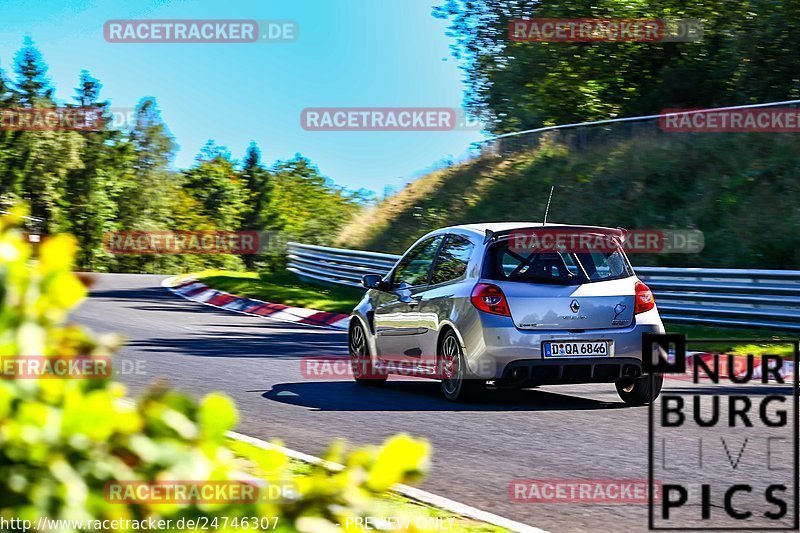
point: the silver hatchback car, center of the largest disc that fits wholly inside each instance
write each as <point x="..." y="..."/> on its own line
<point x="508" y="305"/>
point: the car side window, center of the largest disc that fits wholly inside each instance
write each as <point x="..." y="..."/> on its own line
<point x="414" y="268"/>
<point x="452" y="260"/>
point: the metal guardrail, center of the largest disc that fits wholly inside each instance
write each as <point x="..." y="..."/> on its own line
<point x="789" y="103"/>
<point x="732" y="297"/>
<point x="336" y="265"/>
<point x="582" y="135"/>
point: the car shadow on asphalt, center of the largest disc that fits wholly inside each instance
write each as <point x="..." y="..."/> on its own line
<point x="421" y="395"/>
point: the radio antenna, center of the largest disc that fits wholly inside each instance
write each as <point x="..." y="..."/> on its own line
<point x="547" y="209"/>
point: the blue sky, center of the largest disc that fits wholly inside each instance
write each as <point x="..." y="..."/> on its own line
<point x="349" y="53"/>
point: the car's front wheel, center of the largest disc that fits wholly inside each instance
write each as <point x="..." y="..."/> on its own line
<point x="364" y="372"/>
<point x="640" y="391"/>
<point x="457" y="386"/>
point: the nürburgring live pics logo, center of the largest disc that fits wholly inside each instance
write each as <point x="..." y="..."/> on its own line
<point x="723" y="442"/>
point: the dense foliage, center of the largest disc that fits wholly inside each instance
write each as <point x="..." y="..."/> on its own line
<point x="63" y="440"/>
<point x="750" y="52"/>
<point x="121" y="178"/>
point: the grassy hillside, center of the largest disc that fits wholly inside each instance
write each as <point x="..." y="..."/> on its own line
<point x="741" y="189"/>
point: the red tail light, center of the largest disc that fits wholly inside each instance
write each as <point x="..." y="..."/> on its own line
<point x="644" y="298"/>
<point x="490" y="299"/>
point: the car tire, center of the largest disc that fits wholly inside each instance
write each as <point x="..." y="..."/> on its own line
<point x="640" y="391"/>
<point x="361" y="363"/>
<point x="457" y="386"/>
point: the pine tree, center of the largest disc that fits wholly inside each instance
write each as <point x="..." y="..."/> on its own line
<point x="8" y="194"/>
<point x="40" y="160"/>
<point x="146" y="202"/>
<point x="148" y="190"/>
<point x="88" y="91"/>
<point x="92" y="191"/>
<point x="32" y="85"/>
<point x="258" y="183"/>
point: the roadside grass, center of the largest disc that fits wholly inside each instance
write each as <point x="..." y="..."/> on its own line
<point x="745" y="334"/>
<point x="391" y="504"/>
<point x="282" y="288"/>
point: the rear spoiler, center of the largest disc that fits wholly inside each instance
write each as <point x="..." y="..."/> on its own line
<point x="493" y="236"/>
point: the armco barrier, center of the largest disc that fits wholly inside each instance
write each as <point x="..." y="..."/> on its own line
<point x="733" y="297"/>
<point x="582" y="135"/>
<point x="336" y="265"/>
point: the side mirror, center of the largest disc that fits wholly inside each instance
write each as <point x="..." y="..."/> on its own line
<point x="373" y="281"/>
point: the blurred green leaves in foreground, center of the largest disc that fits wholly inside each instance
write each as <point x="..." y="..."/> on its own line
<point x="63" y="440"/>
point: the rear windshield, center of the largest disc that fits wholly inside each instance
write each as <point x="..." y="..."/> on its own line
<point x="554" y="267"/>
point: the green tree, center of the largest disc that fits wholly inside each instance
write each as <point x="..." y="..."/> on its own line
<point x="306" y="205"/>
<point x="258" y="184"/>
<point x="32" y="86"/>
<point x="145" y="200"/>
<point x="214" y="182"/>
<point x="92" y="191"/>
<point x="9" y="193"/>
<point x="92" y="183"/>
<point x="147" y="190"/>
<point x="39" y="161"/>
<point x="749" y="53"/>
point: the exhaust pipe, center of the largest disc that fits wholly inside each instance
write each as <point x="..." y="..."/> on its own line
<point x="518" y="373"/>
<point x="631" y="371"/>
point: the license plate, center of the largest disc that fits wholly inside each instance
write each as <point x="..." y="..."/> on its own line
<point x="577" y="348"/>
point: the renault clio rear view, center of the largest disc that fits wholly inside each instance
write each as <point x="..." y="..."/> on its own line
<point x="509" y="305"/>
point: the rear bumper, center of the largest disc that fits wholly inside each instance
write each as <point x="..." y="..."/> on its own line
<point x="531" y="372"/>
<point x="497" y="344"/>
